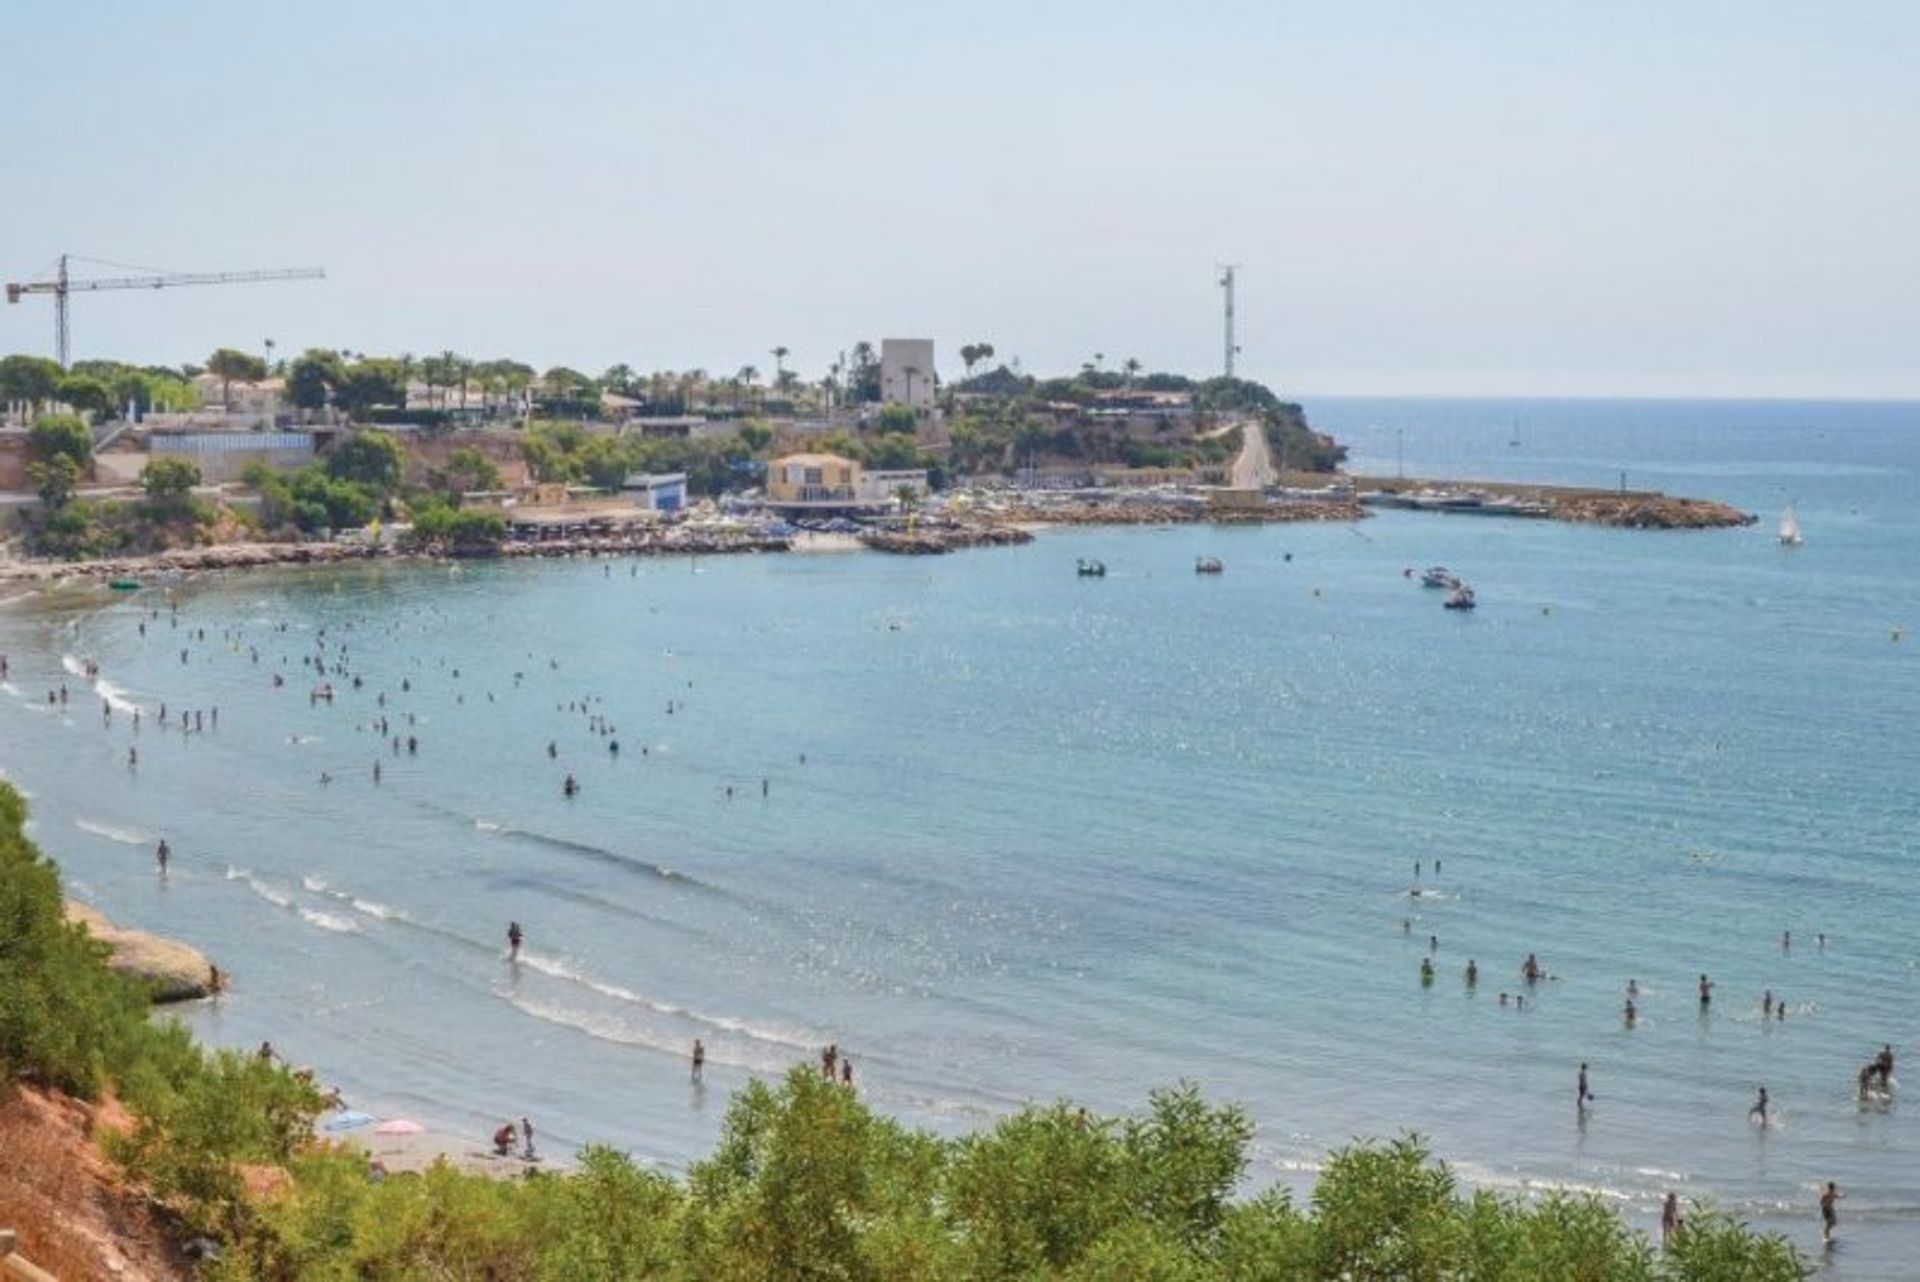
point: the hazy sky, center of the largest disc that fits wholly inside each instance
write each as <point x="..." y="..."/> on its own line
<point x="1463" y="196"/>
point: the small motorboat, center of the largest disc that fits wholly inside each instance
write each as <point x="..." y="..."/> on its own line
<point x="1208" y="565"/>
<point x="1439" y="576"/>
<point x="1461" y="598"/>
<point x="1088" y="568"/>
<point x="124" y="585"/>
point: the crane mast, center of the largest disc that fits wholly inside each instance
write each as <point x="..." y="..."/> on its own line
<point x="62" y="286"/>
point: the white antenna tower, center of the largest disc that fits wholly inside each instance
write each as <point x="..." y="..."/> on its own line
<point x="1226" y="284"/>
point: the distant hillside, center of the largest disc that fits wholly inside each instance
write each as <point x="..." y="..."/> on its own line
<point x="1002" y="422"/>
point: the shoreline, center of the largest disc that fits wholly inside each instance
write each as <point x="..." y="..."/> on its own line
<point x="1013" y="521"/>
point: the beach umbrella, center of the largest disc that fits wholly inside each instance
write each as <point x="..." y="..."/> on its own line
<point x="345" y="1120"/>
<point x="399" y="1126"/>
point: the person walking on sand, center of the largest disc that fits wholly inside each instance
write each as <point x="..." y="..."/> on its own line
<point x="1670" y="1219"/>
<point x="1829" y="1213"/>
<point x="846" y="1072"/>
<point x="699" y="1060"/>
<point x="526" y="1136"/>
<point x="514" y="937"/>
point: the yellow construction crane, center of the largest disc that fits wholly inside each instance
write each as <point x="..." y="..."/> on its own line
<point x="63" y="284"/>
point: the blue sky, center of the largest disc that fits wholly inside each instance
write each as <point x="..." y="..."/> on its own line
<point x="1448" y="196"/>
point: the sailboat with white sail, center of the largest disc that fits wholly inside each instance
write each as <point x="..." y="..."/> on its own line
<point x="1790" y="528"/>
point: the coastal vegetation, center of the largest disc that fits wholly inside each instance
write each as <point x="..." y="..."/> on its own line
<point x="806" y="1182"/>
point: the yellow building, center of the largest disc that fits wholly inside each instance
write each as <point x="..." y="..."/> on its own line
<point x="822" y="480"/>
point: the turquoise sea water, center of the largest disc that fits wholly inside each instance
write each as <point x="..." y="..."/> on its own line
<point x="1055" y="836"/>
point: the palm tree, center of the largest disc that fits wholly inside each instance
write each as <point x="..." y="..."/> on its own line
<point x="779" y="362"/>
<point x="1132" y="367"/>
<point x="744" y="379"/>
<point x="969" y="356"/>
<point x="1097" y="358"/>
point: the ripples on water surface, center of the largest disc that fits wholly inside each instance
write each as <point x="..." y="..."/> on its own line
<point x="1063" y="836"/>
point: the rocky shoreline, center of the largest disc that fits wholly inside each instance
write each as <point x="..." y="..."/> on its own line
<point x="935" y="540"/>
<point x="170" y="970"/>
<point x="1001" y="525"/>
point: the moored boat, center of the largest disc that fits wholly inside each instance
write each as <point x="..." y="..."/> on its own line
<point x="1088" y="568"/>
<point x="1208" y="565"/>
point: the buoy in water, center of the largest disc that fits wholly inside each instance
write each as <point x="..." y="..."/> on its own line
<point x="1316" y="592"/>
<point x="1899" y="634"/>
<point x="1546" y="609"/>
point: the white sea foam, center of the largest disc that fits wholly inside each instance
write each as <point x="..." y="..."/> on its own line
<point x="116" y="696"/>
<point x="378" y="910"/>
<point x="627" y="1032"/>
<point x="559" y="969"/>
<point x="124" y="836"/>
<point x="318" y="885"/>
<point x="272" y="894"/>
<point x="328" y="921"/>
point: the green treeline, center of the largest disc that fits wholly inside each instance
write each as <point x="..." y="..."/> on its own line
<point x="806" y="1182"/>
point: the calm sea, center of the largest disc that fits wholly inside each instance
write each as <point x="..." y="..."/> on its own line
<point x="1025" y="835"/>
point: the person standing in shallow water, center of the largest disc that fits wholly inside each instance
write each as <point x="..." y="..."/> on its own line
<point x="699" y="1060"/>
<point x="1670" y="1219"/>
<point x="514" y="937"/>
<point x="1580" y="1093"/>
<point x="1829" y="1213"/>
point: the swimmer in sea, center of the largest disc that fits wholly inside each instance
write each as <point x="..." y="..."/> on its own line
<point x="570" y="787"/>
<point x="1766" y="1004"/>
<point x="1426" y="970"/>
<point x="1633" y="988"/>
<point x="1530" y="970"/>
<point x="1631" y="1015"/>
<point x="1706" y="992"/>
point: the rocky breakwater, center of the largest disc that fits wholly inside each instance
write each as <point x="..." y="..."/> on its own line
<point x="1161" y="512"/>
<point x="670" y="542"/>
<point x="171" y="971"/>
<point x="223" y="556"/>
<point x="931" y="540"/>
<point x="1646" y="512"/>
